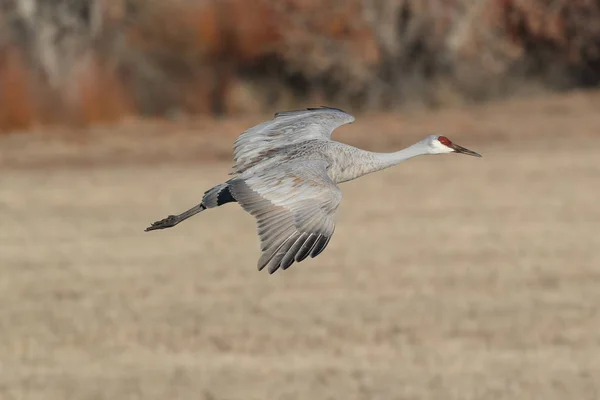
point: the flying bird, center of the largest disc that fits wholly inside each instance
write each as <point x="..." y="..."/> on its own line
<point x="285" y="174"/>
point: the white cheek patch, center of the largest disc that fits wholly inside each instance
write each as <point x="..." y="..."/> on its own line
<point x="439" y="148"/>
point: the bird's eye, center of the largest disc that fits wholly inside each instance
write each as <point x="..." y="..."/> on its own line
<point x="444" y="140"/>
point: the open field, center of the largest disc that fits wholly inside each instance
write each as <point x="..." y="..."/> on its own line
<point x="448" y="277"/>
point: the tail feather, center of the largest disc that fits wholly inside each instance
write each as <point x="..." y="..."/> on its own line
<point x="218" y="195"/>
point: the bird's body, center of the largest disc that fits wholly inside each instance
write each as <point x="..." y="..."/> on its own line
<point x="285" y="174"/>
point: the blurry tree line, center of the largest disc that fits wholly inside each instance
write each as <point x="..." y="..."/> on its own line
<point x="84" y="61"/>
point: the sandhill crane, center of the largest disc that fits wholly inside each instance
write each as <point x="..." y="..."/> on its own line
<point x="285" y="174"/>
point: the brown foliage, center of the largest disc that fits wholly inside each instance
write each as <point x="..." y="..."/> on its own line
<point x="90" y="61"/>
<point x="97" y="94"/>
<point x="567" y="32"/>
<point x="17" y="104"/>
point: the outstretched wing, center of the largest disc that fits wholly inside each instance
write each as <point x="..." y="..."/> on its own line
<point x="287" y="128"/>
<point x="295" y="206"/>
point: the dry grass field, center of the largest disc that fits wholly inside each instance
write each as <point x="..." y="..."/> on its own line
<point x="448" y="277"/>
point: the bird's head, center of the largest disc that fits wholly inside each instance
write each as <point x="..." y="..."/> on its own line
<point x="441" y="145"/>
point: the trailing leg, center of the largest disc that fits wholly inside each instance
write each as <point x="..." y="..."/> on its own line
<point x="173" y="220"/>
<point x="215" y="197"/>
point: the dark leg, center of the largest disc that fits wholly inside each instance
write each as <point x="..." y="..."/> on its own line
<point x="173" y="220"/>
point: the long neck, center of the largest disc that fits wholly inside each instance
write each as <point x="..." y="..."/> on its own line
<point x="351" y="163"/>
<point x="386" y="160"/>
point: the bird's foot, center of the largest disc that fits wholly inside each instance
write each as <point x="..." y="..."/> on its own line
<point x="168" y="222"/>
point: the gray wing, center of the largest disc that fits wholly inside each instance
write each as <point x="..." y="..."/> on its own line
<point x="295" y="207"/>
<point x="288" y="127"/>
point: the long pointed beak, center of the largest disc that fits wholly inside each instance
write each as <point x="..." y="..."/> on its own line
<point x="462" y="150"/>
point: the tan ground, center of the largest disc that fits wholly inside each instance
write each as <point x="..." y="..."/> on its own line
<point x="448" y="277"/>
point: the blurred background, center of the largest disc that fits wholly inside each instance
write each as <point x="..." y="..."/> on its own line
<point x="92" y="61"/>
<point x="449" y="277"/>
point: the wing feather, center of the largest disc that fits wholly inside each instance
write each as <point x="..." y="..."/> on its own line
<point x="263" y="143"/>
<point x="290" y="256"/>
<point x="294" y="205"/>
<point x="319" y="246"/>
<point x="306" y="247"/>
